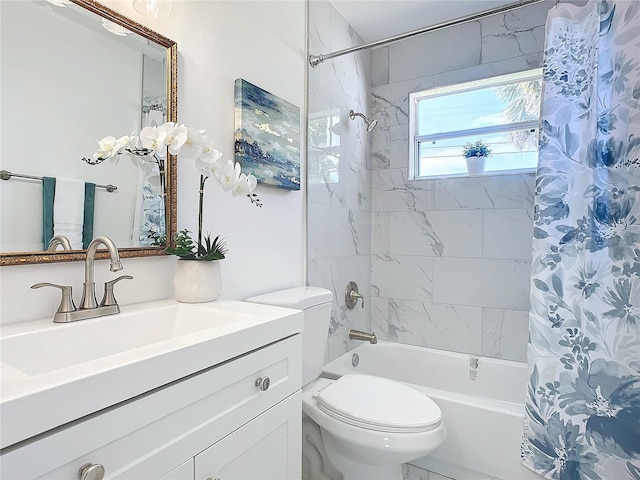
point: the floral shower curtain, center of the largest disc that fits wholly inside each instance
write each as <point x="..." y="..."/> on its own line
<point x="582" y="416"/>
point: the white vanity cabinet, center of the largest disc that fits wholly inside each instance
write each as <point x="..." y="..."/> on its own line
<point x="266" y="448"/>
<point x="224" y="422"/>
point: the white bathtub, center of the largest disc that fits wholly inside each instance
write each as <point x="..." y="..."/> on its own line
<point x="483" y="415"/>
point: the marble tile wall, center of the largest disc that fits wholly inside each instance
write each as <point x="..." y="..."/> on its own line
<point x="450" y="257"/>
<point x="339" y="192"/>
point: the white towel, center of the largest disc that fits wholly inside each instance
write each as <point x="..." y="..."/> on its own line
<point x="153" y="118"/>
<point x="68" y="210"/>
<point x="138" y="213"/>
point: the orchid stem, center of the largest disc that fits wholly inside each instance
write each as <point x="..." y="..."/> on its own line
<point x="202" y="180"/>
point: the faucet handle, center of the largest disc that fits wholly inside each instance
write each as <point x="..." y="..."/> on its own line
<point x="354" y="298"/>
<point x="351" y="296"/>
<point x="66" y="303"/>
<point x="108" y="298"/>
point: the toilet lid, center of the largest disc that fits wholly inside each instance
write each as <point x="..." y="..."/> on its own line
<point x="379" y="404"/>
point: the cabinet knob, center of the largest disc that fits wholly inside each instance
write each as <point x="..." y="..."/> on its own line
<point x="263" y="383"/>
<point x="91" y="471"/>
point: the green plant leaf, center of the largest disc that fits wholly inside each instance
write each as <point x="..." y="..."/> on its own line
<point x="179" y="252"/>
<point x="212" y="256"/>
<point x="187" y="249"/>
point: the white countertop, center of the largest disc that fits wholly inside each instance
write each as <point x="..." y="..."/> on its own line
<point x="44" y="386"/>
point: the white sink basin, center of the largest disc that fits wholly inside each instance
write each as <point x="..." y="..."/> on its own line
<point x="51" y="374"/>
<point x="58" y="347"/>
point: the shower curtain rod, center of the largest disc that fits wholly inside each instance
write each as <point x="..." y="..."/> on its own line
<point x="315" y="60"/>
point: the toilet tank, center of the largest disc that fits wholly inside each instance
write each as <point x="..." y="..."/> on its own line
<point x="316" y="305"/>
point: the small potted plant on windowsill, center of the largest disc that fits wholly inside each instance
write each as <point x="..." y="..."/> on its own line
<point x="475" y="155"/>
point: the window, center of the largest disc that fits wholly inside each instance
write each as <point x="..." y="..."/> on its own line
<point x="503" y="112"/>
<point x="324" y="147"/>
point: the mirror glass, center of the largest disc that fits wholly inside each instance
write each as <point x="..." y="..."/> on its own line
<point x="73" y="73"/>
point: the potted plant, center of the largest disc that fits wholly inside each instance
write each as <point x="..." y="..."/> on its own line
<point x="197" y="276"/>
<point x="475" y="155"/>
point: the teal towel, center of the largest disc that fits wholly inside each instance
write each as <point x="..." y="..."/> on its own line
<point x="48" y="199"/>
<point x="89" y="204"/>
<point x="48" y="195"/>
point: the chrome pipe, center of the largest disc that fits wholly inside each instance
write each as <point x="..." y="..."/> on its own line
<point x="371" y="123"/>
<point x="315" y="60"/>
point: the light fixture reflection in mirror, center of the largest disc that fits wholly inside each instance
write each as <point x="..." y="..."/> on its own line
<point x="59" y="3"/>
<point x="114" y="28"/>
<point x="156" y="9"/>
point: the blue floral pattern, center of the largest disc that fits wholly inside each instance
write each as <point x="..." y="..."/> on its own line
<point x="582" y="412"/>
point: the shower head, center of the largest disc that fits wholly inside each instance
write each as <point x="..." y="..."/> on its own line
<point x="371" y="123"/>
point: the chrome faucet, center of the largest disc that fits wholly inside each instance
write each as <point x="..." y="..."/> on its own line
<point x="59" y="240"/>
<point x="89" y="308"/>
<point x="360" y="335"/>
<point x="89" y="285"/>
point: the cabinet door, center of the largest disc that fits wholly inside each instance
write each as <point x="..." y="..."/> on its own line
<point x="183" y="472"/>
<point x="266" y="448"/>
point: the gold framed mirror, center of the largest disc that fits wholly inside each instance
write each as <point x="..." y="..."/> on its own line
<point x="123" y="77"/>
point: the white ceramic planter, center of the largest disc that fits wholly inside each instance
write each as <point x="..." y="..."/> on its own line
<point x="197" y="281"/>
<point x="475" y="165"/>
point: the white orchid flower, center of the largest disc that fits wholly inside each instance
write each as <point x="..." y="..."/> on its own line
<point x="119" y="148"/>
<point x="207" y="149"/>
<point x="108" y="147"/>
<point x="123" y="142"/>
<point x="244" y="185"/>
<point x="134" y="141"/>
<point x="194" y="145"/>
<point x="253" y="182"/>
<point x="149" y="138"/>
<point x="229" y="175"/>
<point x="211" y="164"/>
<point x="173" y="136"/>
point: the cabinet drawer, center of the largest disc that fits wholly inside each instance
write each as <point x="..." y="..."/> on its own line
<point x="151" y="434"/>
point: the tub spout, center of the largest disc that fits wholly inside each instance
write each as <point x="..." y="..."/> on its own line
<point x="360" y="335"/>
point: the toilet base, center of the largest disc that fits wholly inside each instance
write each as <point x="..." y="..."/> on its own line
<point x="315" y="461"/>
<point x="354" y="470"/>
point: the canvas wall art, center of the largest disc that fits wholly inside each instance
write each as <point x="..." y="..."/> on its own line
<point x="267" y="136"/>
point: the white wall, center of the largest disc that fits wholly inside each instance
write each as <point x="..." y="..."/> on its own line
<point x="218" y="41"/>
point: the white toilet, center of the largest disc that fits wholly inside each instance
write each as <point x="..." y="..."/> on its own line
<point x="370" y="425"/>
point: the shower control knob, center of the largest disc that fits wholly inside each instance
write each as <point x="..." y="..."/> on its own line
<point x="263" y="383"/>
<point x="352" y="295"/>
<point x="91" y="471"/>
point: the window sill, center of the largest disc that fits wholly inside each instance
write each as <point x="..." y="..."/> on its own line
<point x="496" y="173"/>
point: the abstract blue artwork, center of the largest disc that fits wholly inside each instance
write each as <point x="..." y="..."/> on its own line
<point x="267" y="136"/>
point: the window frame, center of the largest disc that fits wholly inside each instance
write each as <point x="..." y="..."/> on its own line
<point x="495" y="81"/>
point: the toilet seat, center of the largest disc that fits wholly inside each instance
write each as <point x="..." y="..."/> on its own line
<point x="379" y="404"/>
